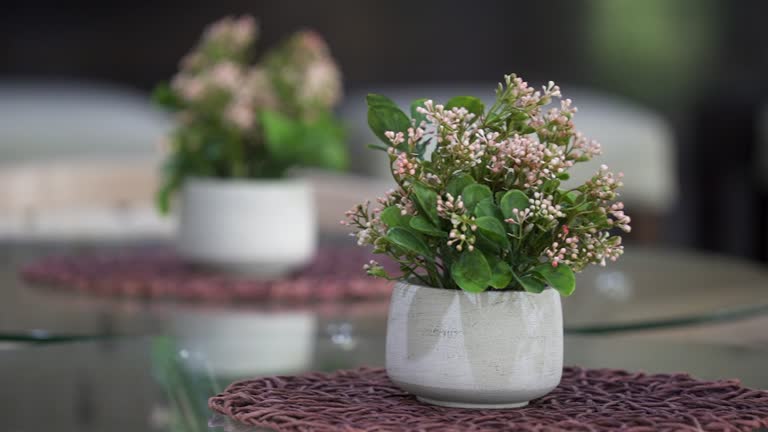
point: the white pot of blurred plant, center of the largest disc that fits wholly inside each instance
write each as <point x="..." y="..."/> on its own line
<point x="264" y="228"/>
<point x="494" y="349"/>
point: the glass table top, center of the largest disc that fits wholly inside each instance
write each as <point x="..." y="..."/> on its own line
<point x="647" y="288"/>
<point x="162" y="383"/>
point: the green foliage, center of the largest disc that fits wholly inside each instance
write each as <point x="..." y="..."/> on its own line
<point x="384" y="116"/>
<point x="512" y="200"/>
<point x="457" y="184"/>
<point x="531" y="283"/>
<point x="392" y="217"/>
<point x="501" y="272"/>
<point x="164" y="96"/>
<point x="471" y="272"/>
<point x="473" y="194"/>
<point x="424" y="226"/>
<point x="560" y="278"/>
<point x="426" y="199"/>
<point x="493" y="229"/>
<point x="409" y="242"/>
<point x="485" y="207"/>
<point x="307" y="143"/>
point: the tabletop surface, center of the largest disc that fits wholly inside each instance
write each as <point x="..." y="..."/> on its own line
<point x="162" y="383"/>
<point x="152" y="365"/>
<point x="647" y="288"/>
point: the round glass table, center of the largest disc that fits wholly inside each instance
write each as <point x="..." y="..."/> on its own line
<point x="163" y="382"/>
<point x="647" y="288"/>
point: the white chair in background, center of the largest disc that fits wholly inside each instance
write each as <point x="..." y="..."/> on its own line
<point x="78" y="160"/>
<point x="94" y="200"/>
<point x="81" y="161"/>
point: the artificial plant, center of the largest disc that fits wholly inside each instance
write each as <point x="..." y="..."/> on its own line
<point x="483" y="199"/>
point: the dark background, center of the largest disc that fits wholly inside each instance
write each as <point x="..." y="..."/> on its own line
<point x="702" y="64"/>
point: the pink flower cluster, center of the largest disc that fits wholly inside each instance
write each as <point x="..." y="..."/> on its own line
<point x="218" y="69"/>
<point x="578" y="251"/>
<point x="604" y="184"/>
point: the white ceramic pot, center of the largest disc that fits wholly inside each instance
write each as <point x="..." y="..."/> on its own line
<point x="260" y="227"/>
<point x="496" y="349"/>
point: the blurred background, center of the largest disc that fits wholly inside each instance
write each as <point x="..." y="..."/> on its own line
<point x="675" y="91"/>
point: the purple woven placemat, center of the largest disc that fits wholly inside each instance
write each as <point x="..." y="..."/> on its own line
<point x="586" y="400"/>
<point x="335" y="274"/>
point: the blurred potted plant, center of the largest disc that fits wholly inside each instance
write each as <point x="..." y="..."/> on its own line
<point x="240" y="127"/>
<point x="488" y="237"/>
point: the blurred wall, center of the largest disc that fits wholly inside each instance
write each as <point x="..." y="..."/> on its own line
<point x="701" y="64"/>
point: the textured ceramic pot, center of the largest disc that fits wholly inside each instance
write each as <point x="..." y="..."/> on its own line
<point x="259" y="227"/>
<point x="486" y="350"/>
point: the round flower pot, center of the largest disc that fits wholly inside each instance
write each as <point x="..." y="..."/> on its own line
<point x="495" y="349"/>
<point x="264" y="228"/>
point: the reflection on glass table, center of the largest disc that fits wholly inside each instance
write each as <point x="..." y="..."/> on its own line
<point x="162" y="383"/>
<point x="647" y="288"/>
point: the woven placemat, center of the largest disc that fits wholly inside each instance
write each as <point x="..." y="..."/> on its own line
<point x="586" y="400"/>
<point x="336" y="273"/>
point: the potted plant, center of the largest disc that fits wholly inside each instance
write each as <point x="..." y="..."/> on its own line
<point x="488" y="234"/>
<point x="240" y="127"/>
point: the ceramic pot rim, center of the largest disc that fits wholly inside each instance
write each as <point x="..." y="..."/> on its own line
<point x="486" y="292"/>
<point x="244" y="182"/>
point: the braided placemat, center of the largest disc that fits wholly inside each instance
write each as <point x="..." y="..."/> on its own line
<point x="335" y="273"/>
<point x="586" y="400"/>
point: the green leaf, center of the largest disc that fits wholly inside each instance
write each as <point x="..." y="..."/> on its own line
<point x="426" y="198"/>
<point x="473" y="194"/>
<point x="323" y="145"/>
<point x="457" y="184"/>
<point x="486" y="245"/>
<point x="173" y="175"/>
<point x="385" y="116"/>
<point x="571" y="197"/>
<point x="564" y="176"/>
<point x="550" y="185"/>
<point x="282" y="135"/>
<point x="409" y="241"/>
<point x="424" y="226"/>
<point x="532" y="284"/>
<point x="493" y="229"/>
<point x="501" y="272"/>
<point x="471" y="103"/>
<point x="514" y="199"/>
<point x="419" y="117"/>
<point x="560" y="278"/>
<point x="319" y="143"/>
<point x="378" y="272"/>
<point x="377" y="147"/>
<point x="486" y="207"/>
<point x="471" y="272"/>
<point x="164" y="195"/>
<point x="166" y="97"/>
<point x="377" y="100"/>
<point x="392" y="217"/>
